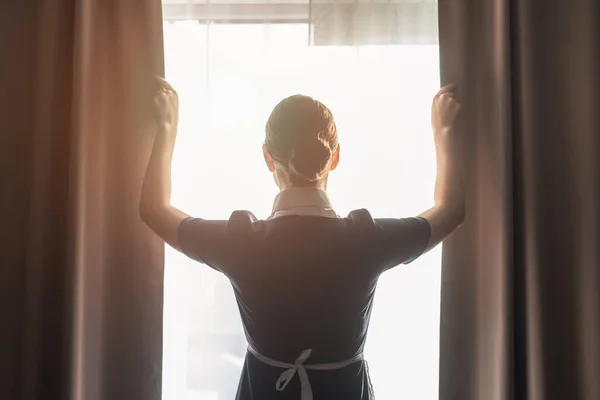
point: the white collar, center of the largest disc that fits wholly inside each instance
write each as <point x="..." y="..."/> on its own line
<point x="303" y="201"/>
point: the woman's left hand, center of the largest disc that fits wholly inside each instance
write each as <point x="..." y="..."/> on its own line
<point x="166" y="106"/>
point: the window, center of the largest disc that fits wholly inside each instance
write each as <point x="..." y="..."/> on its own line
<point x="229" y="76"/>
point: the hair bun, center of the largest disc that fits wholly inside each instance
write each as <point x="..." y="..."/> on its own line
<point x="310" y="159"/>
<point x="301" y="135"/>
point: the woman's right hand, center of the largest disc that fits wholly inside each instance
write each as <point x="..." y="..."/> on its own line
<point x="444" y="110"/>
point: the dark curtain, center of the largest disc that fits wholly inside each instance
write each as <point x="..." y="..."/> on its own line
<point x="520" y="312"/>
<point x="81" y="284"/>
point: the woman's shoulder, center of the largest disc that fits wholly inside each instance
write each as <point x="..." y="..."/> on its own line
<point x="360" y="215"/>
<point x="242" y="221"/>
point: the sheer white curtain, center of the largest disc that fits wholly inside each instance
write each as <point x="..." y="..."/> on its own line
<point x="231" y="63"/>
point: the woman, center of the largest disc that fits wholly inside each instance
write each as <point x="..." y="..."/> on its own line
<point x="304" y="279"/>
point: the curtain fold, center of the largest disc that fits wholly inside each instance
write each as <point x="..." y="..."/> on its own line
<point x="521" y="279"/>
<point x="80" y="268"/>
<point x="15" y="172"/>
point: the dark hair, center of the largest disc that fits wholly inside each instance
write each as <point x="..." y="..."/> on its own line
<point x="301" y="134"/>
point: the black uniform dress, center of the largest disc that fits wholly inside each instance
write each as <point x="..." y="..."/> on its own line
<point x="304" y="279"/>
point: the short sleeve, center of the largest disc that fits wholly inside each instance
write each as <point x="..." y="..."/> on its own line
<point x="217" y="243"/>
<point x="403" y="240"/>
<point x="204" y="240"/>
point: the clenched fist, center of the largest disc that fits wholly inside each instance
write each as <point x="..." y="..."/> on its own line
<point x="166" y="105"/>
<point x="444" y="110"/>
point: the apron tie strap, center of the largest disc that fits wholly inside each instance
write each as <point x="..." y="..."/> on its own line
<point x="287" y="375"/>
<point x="298" y="367"/>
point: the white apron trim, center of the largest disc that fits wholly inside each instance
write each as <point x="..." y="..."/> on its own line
<point x="299" y="367"/>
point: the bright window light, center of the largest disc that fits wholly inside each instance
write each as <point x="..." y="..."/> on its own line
<point x="229" y="78"/>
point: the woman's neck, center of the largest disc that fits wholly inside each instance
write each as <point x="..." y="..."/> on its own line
<point x="285" y="186"/>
